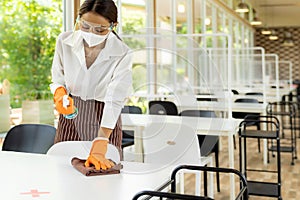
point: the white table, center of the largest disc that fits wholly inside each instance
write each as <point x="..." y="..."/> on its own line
<point x="204" y="126"/>
<point x="223" y="107"/>
<point x="238" y="96"/>
<point x="270" y="92"/>
<point x="236" y="107"/>
<point x="37" y="176"/>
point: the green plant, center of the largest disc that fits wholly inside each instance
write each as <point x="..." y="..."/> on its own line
<point x="29" y="29"/>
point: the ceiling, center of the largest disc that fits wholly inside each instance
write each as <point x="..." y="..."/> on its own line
<point x="277" y="13"/>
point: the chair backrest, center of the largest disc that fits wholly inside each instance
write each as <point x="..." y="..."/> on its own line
<point x="81" y="149"/>
<point x="234" y="91"/>
<point x="289" y="97"/>
<point x="132" y="110"/>
<point x="207" y="142"/>
<point x="274" y="86"/>
<point x="30" y="138"/>
<point x="170" y="144"/>
<point x="198" y="113"/>
<point x="246" y="100"/>
<point x="206" y="99"/>
<point x="254" y="93"/>
<point x="162" y="108"/>
<point x="282" y="108"/>
<point x="242" y="115"/>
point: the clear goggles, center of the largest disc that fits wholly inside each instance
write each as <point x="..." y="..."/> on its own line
<point x="99" y="29"/>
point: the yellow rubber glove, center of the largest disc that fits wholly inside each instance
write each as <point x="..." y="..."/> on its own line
<point x="58" y="101"/>
<point x="97" y="155"/>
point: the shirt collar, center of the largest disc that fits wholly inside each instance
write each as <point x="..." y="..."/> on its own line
<point x="113" y="46"/>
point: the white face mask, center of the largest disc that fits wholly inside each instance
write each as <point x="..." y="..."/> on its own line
<point x="92" y="39"/>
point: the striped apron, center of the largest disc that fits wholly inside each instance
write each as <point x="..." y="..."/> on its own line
<point x="87" y="123"/>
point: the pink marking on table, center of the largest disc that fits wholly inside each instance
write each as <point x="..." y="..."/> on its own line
<point x="34" y="193"/>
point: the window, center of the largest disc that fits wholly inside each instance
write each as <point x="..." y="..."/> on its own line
<point x="27" y="44"/>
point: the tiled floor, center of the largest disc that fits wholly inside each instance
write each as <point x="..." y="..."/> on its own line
<point x="290" y="174"/>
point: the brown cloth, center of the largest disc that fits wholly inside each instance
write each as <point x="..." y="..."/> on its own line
<point x="91" y="171"/>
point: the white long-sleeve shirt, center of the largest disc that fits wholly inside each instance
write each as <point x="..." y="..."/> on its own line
<point x="108" y="79"/>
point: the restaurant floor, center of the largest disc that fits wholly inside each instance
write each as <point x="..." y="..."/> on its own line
<point x="290" y="173"/>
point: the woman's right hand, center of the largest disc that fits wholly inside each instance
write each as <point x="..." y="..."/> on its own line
<point x="59" y="99"/>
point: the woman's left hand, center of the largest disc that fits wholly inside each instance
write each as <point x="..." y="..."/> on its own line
<point x="97" y="155"/>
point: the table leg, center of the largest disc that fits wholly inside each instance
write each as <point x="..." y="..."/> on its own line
<point x="265" y="152"/>
<point x="265" y="144"/>
<point x="138" y="144"/>
<point x="211" y="182"/>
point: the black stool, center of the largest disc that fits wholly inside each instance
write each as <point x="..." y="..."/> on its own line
<point x="272" y="125"/>
<point x="287" y="112"/>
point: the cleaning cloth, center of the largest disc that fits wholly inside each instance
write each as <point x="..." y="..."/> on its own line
<point x="91" y="171"/>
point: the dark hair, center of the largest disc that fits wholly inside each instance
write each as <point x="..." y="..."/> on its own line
<point x="105" y="8"/>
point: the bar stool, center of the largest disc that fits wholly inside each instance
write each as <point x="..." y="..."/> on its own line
<point x="287" y="113"/>
<point x="293" y="99"/>
<point x="255" y="187"/>
<point x="173" y="193"/>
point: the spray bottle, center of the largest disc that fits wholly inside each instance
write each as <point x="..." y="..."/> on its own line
<point x="66" y="103"/>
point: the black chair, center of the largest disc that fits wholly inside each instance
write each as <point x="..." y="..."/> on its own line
<point x="274" y="86"/>
<point x="30" y="138"/>
<point x="200" y="98"/>
<point x="234" y="91"/>
<point x="254" y="93"/>
<point x="242" y="115"/>
<point x="132" y="110"/>
<point x="206" y="99"/>
<point x="162" y="108"/>
<point x="208" y="144"/>
<point x="242" y="194"/>
<point x="257" y="186"/>
<point x="128" y="136"/>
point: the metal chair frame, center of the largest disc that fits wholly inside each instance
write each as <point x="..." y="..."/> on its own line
<point x="260" y="188"/>
<point x="242" y="195"/>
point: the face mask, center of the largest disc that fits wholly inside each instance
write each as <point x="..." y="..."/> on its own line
<point x="92" y="39"/>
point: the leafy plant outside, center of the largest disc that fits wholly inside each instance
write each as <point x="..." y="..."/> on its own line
<point x="27" y="45"/>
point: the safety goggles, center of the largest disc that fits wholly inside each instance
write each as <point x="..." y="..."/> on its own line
<point x="99" y="29"/>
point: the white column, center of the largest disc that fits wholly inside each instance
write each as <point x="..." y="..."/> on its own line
<point x="68" y="12"/>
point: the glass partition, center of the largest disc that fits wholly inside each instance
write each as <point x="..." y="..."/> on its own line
<point x="272" y="75"/>
<point x="247" y="71"/>
<point x="168" y="65"/>
<point x="286" y="79"/>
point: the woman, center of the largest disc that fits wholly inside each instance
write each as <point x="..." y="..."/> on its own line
<point x="93" y="67"/>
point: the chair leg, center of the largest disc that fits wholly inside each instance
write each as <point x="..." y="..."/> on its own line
<point x="205" y="182"/>
<point x="217" y="165"/>
<point x="258" y="140"/>
<point x="234" y="142"/>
